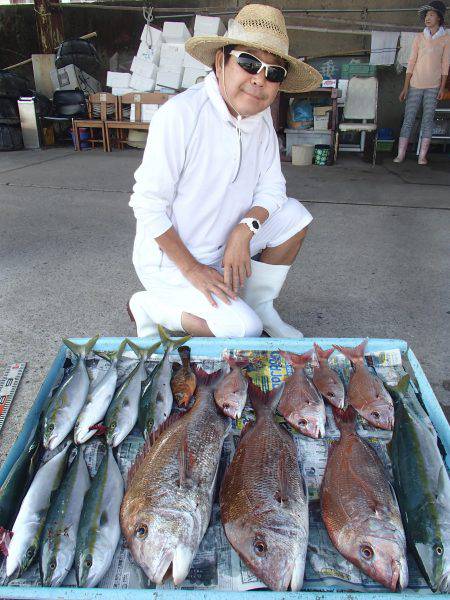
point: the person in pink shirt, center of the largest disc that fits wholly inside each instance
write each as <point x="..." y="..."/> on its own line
<point x="425" y="79"/>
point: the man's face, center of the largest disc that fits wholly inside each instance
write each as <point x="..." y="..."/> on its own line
<point x="246" y="93"/>
<point x="432" y="19"/>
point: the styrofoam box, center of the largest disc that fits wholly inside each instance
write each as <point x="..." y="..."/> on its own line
<point x="164" y="90"/>
<point x="151" y="36"/>
<point x="192" y="63"/>
<point x="172" y="55"/>
<point x="114" y="79"/>
<point x="71" y="77"/>
<point x="142" y="84"/>
<point x="147" y="112"/>
<point x="119" y="91"/>
<point x="170" y="79"/>
<point x="175" y="32"/>
<point x="143" y="67"/>
<point x="149" y="54"/>
<point x="190" y="76"/>
<point x="208" y="26"/>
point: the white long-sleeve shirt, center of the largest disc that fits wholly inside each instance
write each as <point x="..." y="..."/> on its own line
<point x="201" y="172"/>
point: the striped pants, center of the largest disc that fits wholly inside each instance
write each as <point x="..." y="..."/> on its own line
<point x="413" y="101"/>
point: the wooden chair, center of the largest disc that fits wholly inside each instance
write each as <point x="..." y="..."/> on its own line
<point x="124" y="122"/>
<point x="101" y="106"/>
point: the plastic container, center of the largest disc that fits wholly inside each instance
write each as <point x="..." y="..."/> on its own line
<point x="385" y="145"/>
<point x="84" y="135"/>
<point x="302" y="155"/>
<point x="358" y="69"/>
<point x="322" y="155"/>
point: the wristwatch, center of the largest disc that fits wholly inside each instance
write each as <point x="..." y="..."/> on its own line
<point x="252" y="224"/>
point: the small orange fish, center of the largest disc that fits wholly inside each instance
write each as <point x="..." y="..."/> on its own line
<point x="327" y="381"/>
<point x="184" y="381"/>
<point x="366" y="392"/>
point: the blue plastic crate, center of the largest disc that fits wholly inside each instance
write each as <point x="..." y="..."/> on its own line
<point x="213" y="347"/>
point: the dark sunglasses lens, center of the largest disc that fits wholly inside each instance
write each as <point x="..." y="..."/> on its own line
<point x="249" y="64"/>
<point x="275" y="74"/>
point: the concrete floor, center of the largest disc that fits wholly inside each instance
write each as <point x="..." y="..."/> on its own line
<point x="375" y="263"/>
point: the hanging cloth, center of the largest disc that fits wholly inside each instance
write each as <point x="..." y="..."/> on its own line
<point x="384" y="47"/>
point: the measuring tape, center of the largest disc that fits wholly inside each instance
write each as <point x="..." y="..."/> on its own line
<point x="8" y="386"/>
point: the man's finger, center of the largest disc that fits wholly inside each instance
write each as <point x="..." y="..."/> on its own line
<point x="227" y="290"/>
<point x="221" y="294"/>
<point x="210" y="298"/>
<point x="227" y="275"/>
<point x="248" y="267"/>
<point x="236" y="279"/>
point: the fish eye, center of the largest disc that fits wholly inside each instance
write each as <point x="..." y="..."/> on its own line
<point x="30" y="552"/>
<point x="51" y="427"/>
<point x="439" y="549"/>
<point x="52" y="565"/>
<point x="113" y="424"/>
<point x="375" y="414"/>
<point x="303" y="422"/>
<point x="260" y="547"/>
<point x="88" y="561"/>
<point x="141" y="531"/>
<point x="331" y="394"/>
<point x="366" y="551"/>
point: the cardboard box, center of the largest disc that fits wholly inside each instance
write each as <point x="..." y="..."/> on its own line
<point x="143" y="67"/>
<point x="147" y="112"/>
<point x="119" y="91"/>
<point x="151" y="55"/>
<point x="142" y="84"/>
<point x="151" y="36"/>
<point x="320" y="111"/>
<point x="73" y="78"/>
<point x="114" y="79"/>
<point x="175" y="32"/>
<point x="190" y="76"/>
<point x="170" y="79"/>
<point x="208" y="26"/>
<point x="172" y="55"/>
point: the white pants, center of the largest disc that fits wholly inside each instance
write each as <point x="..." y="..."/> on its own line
<point x="173" y="294"/>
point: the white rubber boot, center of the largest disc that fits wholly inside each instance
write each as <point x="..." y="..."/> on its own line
<point x="402" y="148"/>
<point x="145" y="325"/>
<point x="424" y="147"/>
<point x="260" y="290"/>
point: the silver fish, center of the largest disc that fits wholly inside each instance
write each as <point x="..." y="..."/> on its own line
<point x="65" y="405"/>
<point x="29" y="524"/>
<point x="99" y="528"/>
<point x="59" y="537"/>
<point x="98" y="399"/>
<point x="122" y="413"/>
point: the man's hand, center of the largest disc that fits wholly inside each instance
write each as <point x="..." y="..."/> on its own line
<point x="403" y="94"/>
<point x="209" y="281"/>
<point x="236" y="259"/>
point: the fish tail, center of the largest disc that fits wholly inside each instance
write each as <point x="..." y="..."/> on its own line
<point x="344" y="418"/>
<point x="321" y="353"/>
<point x="169" y="342"/>
<point x="297" y="360"/>
<point x="207" y="379"/>
<point x="264" y="401"/>
<point x="81" y="350"/>
<point x="355" y="354"/>
<point x="123" y="345"/>
<point x="400" y="389"/>
<point x="140" y="352"/>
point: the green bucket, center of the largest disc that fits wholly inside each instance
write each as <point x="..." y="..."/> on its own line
<point x="322" y="155"/>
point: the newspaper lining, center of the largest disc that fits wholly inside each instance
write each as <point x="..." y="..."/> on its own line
<point x="216" y="565"/>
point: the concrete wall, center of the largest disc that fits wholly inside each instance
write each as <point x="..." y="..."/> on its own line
<point x="120" y="30"/>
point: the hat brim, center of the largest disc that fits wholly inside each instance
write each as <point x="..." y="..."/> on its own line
<point x="301" y="77"/>
<point x="426" y="7"/>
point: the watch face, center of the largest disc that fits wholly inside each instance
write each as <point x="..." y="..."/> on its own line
<point x="255" y="224"/>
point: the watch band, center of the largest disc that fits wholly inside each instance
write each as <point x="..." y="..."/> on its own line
<point x="252" y="224"/>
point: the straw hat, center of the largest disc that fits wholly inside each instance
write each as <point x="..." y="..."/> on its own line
<point x="436" y="5"/>
<point x="261" y="27"/>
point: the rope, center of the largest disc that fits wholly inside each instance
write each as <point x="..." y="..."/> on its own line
<point x="147" y="12"/>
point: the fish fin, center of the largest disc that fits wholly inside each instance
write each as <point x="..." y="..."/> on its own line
<point x="81" y="349"/>
<point x="321" y="353"/>
<point x="143" y="352"/>
<point x="103" y="518"/>
<point x="183" y="462"/>
<point x="297" y="360"/>
<point x="206" y="379"/>
<point x="355" y="354"/>
<point x="443" y="486"/>
<point x="104" y="355"/>
<point x="283" y="478"/>
<point x="149" y="442"/>
<point x="239" y="363"/>
<point x="344" y="418"/>
<point x="171" y="343"/>
<point x="5" y="540"/>
<point x="263" y="401"/>
<point x="123" y="344"/>
<point x="246" y="429"/>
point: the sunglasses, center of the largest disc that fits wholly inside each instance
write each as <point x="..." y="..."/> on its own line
<point x="253" y="65"/>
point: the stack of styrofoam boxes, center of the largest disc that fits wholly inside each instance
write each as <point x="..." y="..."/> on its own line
<point x="145" y="64"/>
<point x="193" y="69"/>
<point x="170" y="72"/>
<point x="118" y="82"/>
